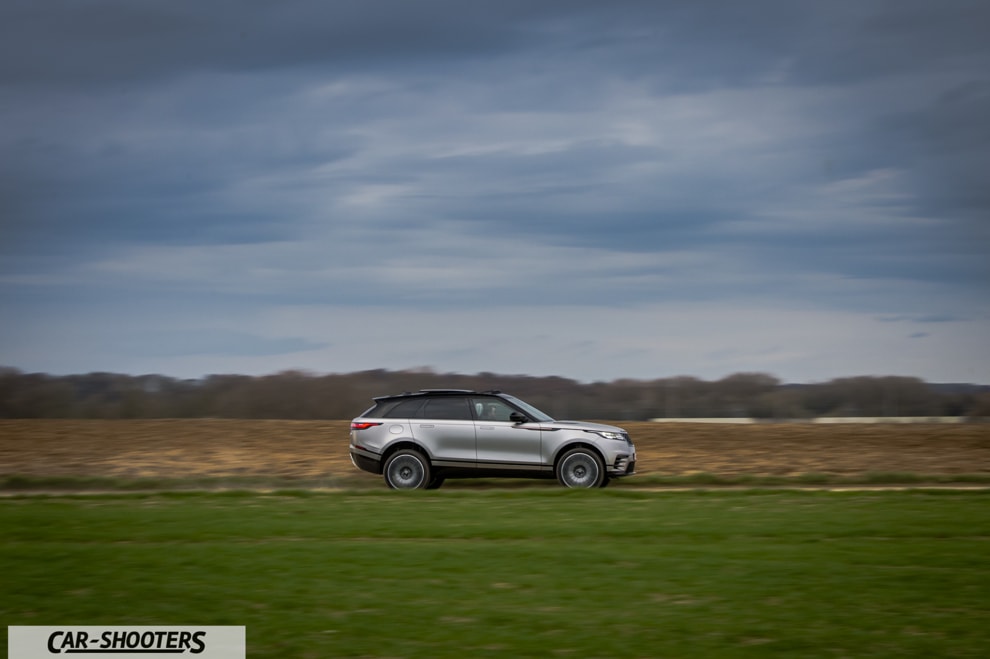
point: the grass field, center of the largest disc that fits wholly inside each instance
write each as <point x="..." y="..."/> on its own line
<point x="535" y="572"/>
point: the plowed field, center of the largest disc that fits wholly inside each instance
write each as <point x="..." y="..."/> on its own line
<point x="220" y="448"/>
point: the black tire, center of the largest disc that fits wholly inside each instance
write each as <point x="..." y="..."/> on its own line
<point x="436" y="483"/>
<point x="407" y="469"/>
<point x="581" y="468"/>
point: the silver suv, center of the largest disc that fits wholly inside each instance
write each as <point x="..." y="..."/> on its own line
<point x="417" y="440"/>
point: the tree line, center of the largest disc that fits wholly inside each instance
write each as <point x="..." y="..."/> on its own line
<point x="302" y="395"/>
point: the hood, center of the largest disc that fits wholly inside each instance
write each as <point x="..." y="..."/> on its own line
<point x="578" y="425"/>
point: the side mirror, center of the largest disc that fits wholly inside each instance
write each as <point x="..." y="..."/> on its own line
<point x="517" y="417"/>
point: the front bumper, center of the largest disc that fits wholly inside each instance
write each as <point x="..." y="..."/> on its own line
<point x="624" y="465"/>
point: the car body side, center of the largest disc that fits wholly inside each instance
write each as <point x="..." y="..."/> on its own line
<point x="481" y="447"/>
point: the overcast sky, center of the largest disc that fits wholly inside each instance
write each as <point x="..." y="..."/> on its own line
<point x="592" y="189"/>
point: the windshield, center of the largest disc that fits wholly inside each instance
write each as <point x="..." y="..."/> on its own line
<point x="534" y="413"/>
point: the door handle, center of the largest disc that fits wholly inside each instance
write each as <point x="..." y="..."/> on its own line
<point x="426" y="425"/>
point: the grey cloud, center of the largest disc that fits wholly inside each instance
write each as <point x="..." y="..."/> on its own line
<point x="947" y="145"/>
<point x="932" y="318"/>
<point x="216" y="342"/>
<point x="78" y="43"/>
<point x="721" y="41"/>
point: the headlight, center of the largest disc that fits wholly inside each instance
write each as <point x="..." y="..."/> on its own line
<point x="610" y="435"/>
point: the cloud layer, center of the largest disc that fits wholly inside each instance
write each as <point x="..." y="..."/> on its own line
<point x="633" y="189"/>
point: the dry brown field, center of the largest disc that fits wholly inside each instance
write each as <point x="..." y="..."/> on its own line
<point x="317" y="450"/>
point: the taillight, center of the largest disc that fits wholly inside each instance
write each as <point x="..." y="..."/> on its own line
<point x="363" y="425"/>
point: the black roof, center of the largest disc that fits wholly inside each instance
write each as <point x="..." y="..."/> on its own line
<point x="438" y="392"/>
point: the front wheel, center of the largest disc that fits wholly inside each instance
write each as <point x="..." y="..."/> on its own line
<point x="581" y="467"/>
<point x="407" y="469"/>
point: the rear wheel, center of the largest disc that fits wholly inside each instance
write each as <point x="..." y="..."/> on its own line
<point x="581" y="467"/>
<point x="407" y="469"/>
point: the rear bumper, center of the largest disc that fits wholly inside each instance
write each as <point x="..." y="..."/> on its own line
<point x="366" y="460"/>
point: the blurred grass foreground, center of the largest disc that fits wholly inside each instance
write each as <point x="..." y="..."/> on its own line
<point x="514" y="573"/>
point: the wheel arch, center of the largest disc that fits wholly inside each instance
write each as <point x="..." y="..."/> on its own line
<point x="400" y="444"/>
<point x="573" y="445"/>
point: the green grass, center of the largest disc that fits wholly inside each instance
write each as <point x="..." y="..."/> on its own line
<point x="527" y="572"/>
<point x="806" y="479"/>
